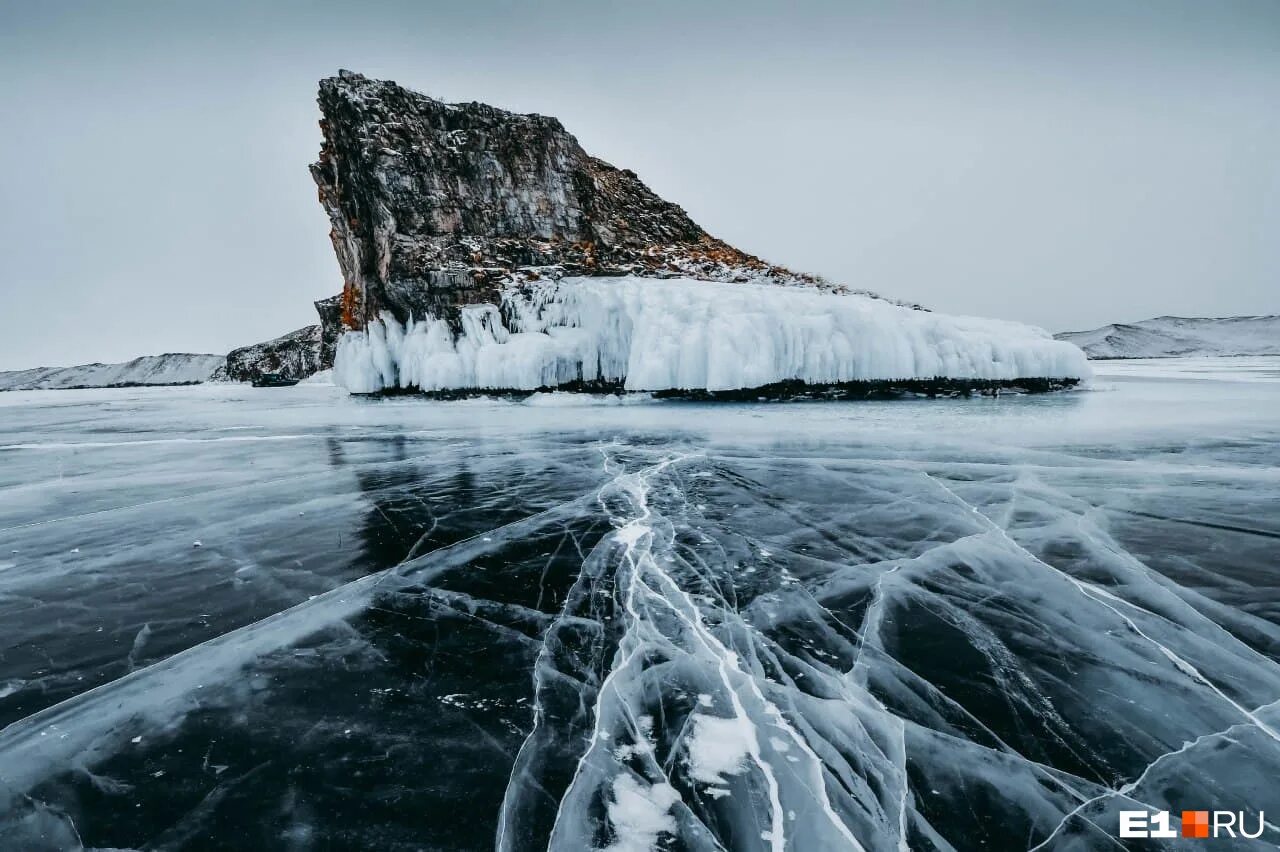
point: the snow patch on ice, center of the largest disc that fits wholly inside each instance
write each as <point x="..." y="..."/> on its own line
<point x="565" y="399"/>
<point x="631" y="533"/>
<point x="639" y="814"/>
<point x="718" y="747"/>
<point x="682" y="334"/>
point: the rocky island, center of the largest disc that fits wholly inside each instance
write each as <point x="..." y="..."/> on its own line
<point x="482" y="249"/>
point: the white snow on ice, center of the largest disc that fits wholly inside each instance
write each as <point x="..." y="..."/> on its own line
<point x="324" y="377"/>
<point x="719" y="747"/>
<point x="686" y="334"/>
<point x="565" y="399"/>
<point x="639" y="814"/>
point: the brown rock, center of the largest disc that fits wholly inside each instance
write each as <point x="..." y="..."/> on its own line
<point x="435" y="205"/>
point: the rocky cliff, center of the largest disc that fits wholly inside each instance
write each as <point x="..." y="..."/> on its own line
<point x="330" y="311"/>
<point x="437" y="205"/>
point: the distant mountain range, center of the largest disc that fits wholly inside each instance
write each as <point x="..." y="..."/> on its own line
<point x="174" y="368"/>
<point x="1170" y="337"/>
<point x="295" y="355"/>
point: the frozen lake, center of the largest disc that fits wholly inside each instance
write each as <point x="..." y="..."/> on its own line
<point x="240" y="618"/>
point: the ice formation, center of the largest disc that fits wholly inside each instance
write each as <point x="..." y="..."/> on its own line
<point x="682" y="334"/>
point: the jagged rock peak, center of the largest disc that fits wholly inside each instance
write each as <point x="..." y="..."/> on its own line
<point x="437" y="205"/>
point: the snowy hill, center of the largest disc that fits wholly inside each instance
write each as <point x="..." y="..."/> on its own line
<point x="169" y="369"/>
<point x="1167" y="337"/>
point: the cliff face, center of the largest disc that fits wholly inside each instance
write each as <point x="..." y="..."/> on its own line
<point x="330" y="311"/>
<point x="437" y="205"/>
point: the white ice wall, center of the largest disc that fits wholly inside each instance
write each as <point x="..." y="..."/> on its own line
<point x="685" y="334"/>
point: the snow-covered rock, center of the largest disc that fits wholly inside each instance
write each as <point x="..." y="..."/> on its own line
<point x="1168" y="337"/>
<point x="174" y="368"/>
<point x="680" y="334"/>
<point x="295" y="355"/>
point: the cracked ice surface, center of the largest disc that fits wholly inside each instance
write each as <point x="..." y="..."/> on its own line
<point x="968" y="624"/>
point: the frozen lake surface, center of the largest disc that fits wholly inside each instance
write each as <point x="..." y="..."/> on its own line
<point x="236" y="618"/>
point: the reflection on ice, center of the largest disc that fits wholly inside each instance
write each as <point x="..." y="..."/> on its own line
<point x="956" y="625"/>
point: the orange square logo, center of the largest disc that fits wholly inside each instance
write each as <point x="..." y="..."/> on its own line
<point x="1195" y="823"/>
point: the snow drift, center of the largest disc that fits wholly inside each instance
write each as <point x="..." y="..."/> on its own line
<point x="682" y="334"/>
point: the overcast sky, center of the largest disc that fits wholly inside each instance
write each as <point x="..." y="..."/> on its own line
<point x="1064" y="163"/>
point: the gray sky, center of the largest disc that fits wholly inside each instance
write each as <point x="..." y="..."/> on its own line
<point x="1066" y="164"/>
